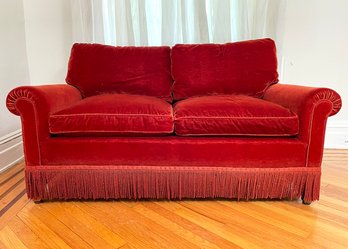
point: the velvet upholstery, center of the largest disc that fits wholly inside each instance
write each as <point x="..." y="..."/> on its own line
<point x="114" y="114"/>
<point x="97" y="69"/>
<point x="175" y="151"/>
<point x="247" y="67"/>
<point x="172" y="166"/>
<point x="236" y="115"/>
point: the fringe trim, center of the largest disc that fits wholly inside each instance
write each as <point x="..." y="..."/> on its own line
<point x="144" y="182"/>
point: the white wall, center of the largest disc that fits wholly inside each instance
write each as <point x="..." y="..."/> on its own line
<point x="315" y="50"/>
<point x="48" y="28"/>
<point x="36" y="37"/>
<point x="13" y="59"/>
<point x="13" y="72"/>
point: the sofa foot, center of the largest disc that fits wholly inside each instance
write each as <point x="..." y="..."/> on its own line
<point x="307" y="203"/>
<point x="37" y="201"/>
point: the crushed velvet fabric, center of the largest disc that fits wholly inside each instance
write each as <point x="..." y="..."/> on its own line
<point x="236" y="152"/>
<point x="114" y="114"/>
<point x="233" y="115"/>
<point x="247" y="67"/>
<point x="97" y="69"/>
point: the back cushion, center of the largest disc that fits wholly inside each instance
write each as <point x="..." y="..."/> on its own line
<point x="96" y="69"/>
<point x="247" y="67"/>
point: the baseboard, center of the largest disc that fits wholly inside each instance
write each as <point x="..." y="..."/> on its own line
<point x="337" y="135"/>
<point x="11" y="150"/>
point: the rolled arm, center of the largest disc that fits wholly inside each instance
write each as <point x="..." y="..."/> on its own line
<point x="299" y="98"/>
<point x="313" y="106"/>
<point x="34" y="104"/>
<point x="46" y="98"/>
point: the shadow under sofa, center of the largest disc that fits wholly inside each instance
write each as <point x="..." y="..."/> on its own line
<point x="191" y="121"/>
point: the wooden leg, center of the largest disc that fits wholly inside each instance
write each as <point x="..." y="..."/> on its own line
<point x="306" y="202"/>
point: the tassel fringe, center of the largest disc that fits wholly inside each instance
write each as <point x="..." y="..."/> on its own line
<point x="151" y="182"/>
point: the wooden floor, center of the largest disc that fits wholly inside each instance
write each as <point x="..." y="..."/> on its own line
<point x="181" y="224"/>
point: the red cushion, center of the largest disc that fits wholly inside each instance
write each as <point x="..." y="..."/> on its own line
<point x="247" y="67"/>
<point x="233" y="115"/>
<point x="114" y="114"/>
<point x="97" y="69"/>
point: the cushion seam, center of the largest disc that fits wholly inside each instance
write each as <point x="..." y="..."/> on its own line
<point x="225" y="117"/>
<point x="107" y="131"/>
<point x="236" y="134"/>
<point x="108" y="114"/>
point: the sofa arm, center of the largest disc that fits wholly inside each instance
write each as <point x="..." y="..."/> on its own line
<point x="313" y="106"/>
<point x="34" y="104"/>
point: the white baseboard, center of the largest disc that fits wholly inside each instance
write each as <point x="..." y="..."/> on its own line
<point x="337" y="135"/>
<point x="11" y="150"/>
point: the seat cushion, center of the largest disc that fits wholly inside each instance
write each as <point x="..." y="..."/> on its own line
<point x="233" y="115"/>
<point x="247" y="68"/>
<point x="98" y="69"/>
<point x="114" y="114"/>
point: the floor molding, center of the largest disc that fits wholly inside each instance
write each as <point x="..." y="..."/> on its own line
<point x="11" y="150"/>
<point x="337" y="135"/>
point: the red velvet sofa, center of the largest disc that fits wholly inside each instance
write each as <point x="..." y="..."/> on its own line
<point x="191" y="121"/>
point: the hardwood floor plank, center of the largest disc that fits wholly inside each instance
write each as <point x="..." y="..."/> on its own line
<point x="148" y="224"/>
<point x="7" y="185"/>
<point x="2" y="246"/>
<point x="129" y="228"/>
<point x="173" y="227"/>
<point x="335" y="172"/>
<point x="247" y="225"/>
<point x="268" y="217"/>
<point x="128" y="246"/>
<point x="91" y="232"/>
<point x="26" y="235"/>
<point x="186" y="224"/>
<point x="9" y="199"/>
<point x="239" y="240"/>
<point x="38" y="227"/>
<point x="335" y="192"/>
<point x="69" y="236"/>
<point x="331" y="215"/>
<point x="306" y="219"/>
<point x="334" y="202"/>
<point x="10" y="239"/>
<point x="13" y="209"/>
<point x="337" y="181"/>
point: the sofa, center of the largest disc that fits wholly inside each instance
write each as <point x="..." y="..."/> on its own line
<point x="188" y="121"/>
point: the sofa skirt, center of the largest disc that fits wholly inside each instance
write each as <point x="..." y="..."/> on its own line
<point x="54" y="182"/>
